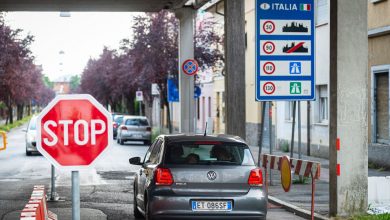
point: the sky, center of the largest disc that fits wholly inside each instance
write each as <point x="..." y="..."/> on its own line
<point x="80" y="37"/>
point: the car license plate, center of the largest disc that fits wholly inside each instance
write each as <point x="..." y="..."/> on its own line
<point x="137" y="135"/>
<point x="211" y="205"/>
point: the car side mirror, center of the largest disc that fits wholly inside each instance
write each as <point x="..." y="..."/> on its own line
<point x="135" y="161"/>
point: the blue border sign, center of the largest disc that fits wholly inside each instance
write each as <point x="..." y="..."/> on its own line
<point x="285" y="50"/>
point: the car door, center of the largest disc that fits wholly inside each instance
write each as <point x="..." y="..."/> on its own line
<point x="151" y="164"/>
<point x="146" y="172"/>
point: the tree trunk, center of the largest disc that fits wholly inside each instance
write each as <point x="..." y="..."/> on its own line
<point x="166" y="103"/>
<point x="10" y="115"/>
<point x="19" y="112"/>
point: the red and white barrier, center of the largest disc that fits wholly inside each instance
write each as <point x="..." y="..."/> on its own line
<point x="299" y="167"/>
<point x="36" y="208"/>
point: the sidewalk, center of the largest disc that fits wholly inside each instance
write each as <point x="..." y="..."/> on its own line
<point x="300" y="194"/>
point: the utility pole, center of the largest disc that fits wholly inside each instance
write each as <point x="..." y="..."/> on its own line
<point x="348" y="108"/>
<point x="235" y="67"/>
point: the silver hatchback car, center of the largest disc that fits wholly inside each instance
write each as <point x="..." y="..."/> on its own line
<point x="134" y="128"/>
<point x="199" y="177"/>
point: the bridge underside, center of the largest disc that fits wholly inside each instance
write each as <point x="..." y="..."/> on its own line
<point x="92" y="5"/>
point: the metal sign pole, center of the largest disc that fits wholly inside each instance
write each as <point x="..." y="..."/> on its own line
<point x="299" y="131"/>
<point x="293" y="130"/>
<point x="308" y="128"/>
<point x="53" y="184"/>
<point x="263" y="105"/>
<point x="140" y="108"/>
<point x="75" y="195"/>
<point x="270" y="137"/>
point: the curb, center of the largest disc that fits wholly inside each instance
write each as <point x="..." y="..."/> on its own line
<point x="295" y="209"/>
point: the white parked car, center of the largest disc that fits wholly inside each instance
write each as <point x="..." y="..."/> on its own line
<point x="31" y="135"/>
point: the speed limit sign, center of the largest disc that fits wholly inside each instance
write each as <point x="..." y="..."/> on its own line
<point x="269" y="27"/>
<point x="269" y="68"/>
<point x="268" y="47"/>
<point x="269" y="88"/>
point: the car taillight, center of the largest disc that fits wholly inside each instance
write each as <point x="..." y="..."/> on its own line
<point x="124" y="128"/>
<point x="163" y="177"/>
<point x="115" y="125"/>
<point x="255" y="177"/>
<point x="148" y="129"/>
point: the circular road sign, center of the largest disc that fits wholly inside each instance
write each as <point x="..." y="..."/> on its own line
<point x="269" y="88"/>
<point x="269" y="27"/>
<point x="285" y="173"/>
<point x="268" y="47"/>
<point x="190" y="67"/>
<point x="73" y="130"/>
<point x="269" y="68"/>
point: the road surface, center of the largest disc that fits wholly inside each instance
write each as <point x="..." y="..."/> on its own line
<point x="106" y="191"/>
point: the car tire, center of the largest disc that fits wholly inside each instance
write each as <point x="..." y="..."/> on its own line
<point x="137" y="213"/>
<point x="121" y="142"/>
<point x="28" y="153"/>
<point x="117" y="140"/>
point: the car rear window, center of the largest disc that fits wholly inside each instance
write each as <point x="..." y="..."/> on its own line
<point x="137" y="122"/>
<point x="205" y="153"/>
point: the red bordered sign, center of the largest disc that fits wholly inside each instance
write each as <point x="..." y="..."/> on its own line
<point x="190" y="67"/>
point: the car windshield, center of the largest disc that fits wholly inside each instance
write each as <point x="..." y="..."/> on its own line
<point x="119" y="119"/>
<point x="208" y="153"/>
<point x="137" y="122"/>
<point x="33" y="124"/>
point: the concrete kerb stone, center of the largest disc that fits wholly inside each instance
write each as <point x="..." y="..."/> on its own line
<point x="295" y="209"/>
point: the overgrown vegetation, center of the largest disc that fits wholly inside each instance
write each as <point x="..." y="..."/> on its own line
<point x="369" y="217"/>
<point x="377" y="167"/>
<point x="18" y="123"/>
<point x="284" y="146"/>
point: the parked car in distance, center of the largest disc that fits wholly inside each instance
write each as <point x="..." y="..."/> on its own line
<point x="198" y="177"/>
<point x="31" y="135"/>
<point x="134" y="128"/>
<point x="116" y="121"/>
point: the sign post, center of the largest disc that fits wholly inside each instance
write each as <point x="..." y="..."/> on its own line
<point x="72" y="132"/>
<point x="139" y="97"/>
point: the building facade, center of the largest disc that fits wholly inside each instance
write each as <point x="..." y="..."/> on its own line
<point x="318" y="112"/>
<point x="378" y="71"/>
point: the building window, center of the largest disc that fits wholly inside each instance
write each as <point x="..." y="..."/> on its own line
<point x="323" y="114"/>
<point x="289" y="111"/>
<point x="322" y="12"/>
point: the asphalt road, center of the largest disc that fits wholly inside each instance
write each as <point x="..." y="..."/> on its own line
<point x="106" y="190"/>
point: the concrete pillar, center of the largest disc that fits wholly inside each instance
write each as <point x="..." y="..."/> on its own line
<point x="348" y="106"/>
<point x="186" y="83"/>
<point x="235" y="67"/>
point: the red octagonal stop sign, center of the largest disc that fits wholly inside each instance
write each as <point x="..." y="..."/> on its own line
<point x="73" y="130"/>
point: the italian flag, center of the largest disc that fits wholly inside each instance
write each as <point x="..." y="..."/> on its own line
<point x="305" y="7"/>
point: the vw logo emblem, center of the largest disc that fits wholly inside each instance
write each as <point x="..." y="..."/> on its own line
<point x="211" y="175"/>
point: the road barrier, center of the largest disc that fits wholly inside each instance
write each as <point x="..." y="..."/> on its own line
<point x="3" y="145"/>
<point x="36" y="208"/>
<point x="299" y="167"/>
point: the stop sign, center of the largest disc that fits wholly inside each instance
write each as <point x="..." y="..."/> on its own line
<point x="73" y="130"/>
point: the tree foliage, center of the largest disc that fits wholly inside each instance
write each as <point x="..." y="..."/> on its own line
<point x="149" y="56"/>
<point x="21" y="81"/>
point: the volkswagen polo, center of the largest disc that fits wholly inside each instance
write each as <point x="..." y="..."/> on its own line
<point x="198" y="177"/>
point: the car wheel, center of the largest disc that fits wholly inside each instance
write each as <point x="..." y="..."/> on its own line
<point x="117" y="140"/>
<point x="28" y="153"/>
<point x="121" y="142"/>
<point x="137" y="213"/>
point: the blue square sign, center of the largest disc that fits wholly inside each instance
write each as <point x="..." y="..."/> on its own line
<point x="295" y="68"/>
